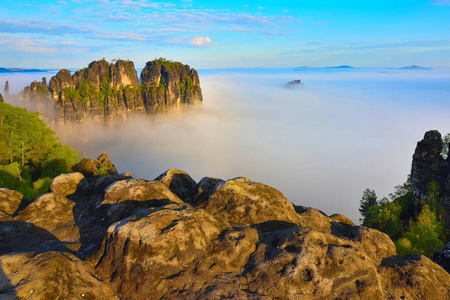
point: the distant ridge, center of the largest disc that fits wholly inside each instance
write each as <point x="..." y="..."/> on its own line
<point x="19" y="70"/>
<point x="415" y="67"/>
<point x="341" y="67"/>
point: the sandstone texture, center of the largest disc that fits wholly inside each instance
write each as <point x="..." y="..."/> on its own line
<point x="116" y="237"/>
<point x="106" y="91"/>
<point x="10" y="201"/>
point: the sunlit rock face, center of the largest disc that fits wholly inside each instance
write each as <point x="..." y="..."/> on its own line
<point x="105" y="91"/>
<point x="115" y="237"/>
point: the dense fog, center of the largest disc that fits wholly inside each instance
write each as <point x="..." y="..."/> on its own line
<point x="320" y="144"/>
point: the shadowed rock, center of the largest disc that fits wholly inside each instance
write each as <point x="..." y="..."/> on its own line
<point x="179" y="182"/>
<point x="54" y="213"/>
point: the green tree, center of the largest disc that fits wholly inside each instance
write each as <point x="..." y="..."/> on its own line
<point x="30" y="154"/>
<point x="386" y="218"/>
<point x="423" y="236"/>
<point x="401" y="190"/>
<point x="368" y="200"/>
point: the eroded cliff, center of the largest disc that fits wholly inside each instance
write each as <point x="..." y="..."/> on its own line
<point x="105" y="91"/>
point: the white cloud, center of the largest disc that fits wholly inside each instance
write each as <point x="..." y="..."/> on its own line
<point x="201" y="41"/>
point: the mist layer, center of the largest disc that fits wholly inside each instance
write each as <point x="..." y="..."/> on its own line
<point x="321" y="145"/>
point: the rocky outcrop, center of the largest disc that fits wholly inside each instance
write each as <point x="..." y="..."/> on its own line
<point x="6" y="89"/>
<point x="105" y="91"/>
<point x="430" y="174"/>
<point x="94" y="168"/>
<point x="50" y="275"/>
<point x="294" y="84"/>
<point x="1" y="98"/>
<point x="172" y="238"/>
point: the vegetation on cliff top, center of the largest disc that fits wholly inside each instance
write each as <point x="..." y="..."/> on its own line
<point x="411" y="234"/>
<point x="30" y="154"/>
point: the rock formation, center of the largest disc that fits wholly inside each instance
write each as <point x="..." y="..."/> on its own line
<point x="1" y="98"/>
<point x="294" y="84"/>
<point x="6" y="89"/>
<point x="430" y="173"/>
<point x="105" y="91"/>
<point x="173" y="238"/>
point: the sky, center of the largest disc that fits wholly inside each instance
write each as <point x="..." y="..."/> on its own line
<point x="226" y="34"/>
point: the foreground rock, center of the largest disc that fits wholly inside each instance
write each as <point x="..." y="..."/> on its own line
<point x="173" y="238"/>
<point x="105" y="91"/>
<point x="10" y="201"/>
<point x="51" y="275"/>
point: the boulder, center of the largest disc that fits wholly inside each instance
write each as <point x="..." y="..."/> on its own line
<point x="309" y="263"/>
<point x="243" y="201"/>
<point x="69" y="184"/>
<point x="342" y="219"/>
<point x="51" y="275"/>
<point x="413" y="277"/>
<point x="173" y="250"/>
<point x="179" y="182"/>
<point x="124" y="197"/>
<point x="54" y="213"/>
<point x="204" y="189"/>
<point x="103" y="182"/>
<point x="94" y="168"/>
<point x="311" y="217"/>
<point x="10" y="201"/>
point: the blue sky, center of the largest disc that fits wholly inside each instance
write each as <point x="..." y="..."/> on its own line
<point x="223" y="34"/>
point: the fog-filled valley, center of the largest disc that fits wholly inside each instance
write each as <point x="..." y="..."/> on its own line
<point x="321" y="144"/>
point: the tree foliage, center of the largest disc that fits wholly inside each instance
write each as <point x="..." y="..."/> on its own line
<point x="368" y="200"/>
<point x="30" y="154"/>
<point x="423" y="235"/>
<point x="412" y="234"/>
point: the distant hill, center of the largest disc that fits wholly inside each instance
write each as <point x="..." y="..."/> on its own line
<point x="415" y="67"/>
<point x="341" y="67"/>
<point x="19" y="70"/>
